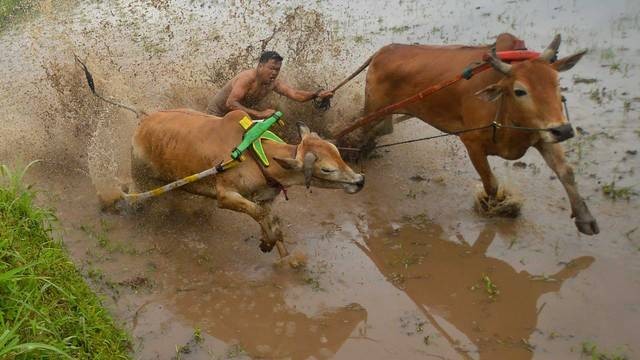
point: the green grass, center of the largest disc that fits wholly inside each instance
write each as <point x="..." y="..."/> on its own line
<point x="235" y="351"/>
<point x="607" y="54"/>
<point x="615" y="192"/>
<point x="590" y="350"/>
<point x="11" y="10"/>
<point x="47" y="311"/>
<point x="489" y="287"/>
<point x="312" y="278"/>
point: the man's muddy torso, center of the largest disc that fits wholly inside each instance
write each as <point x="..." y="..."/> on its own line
<point x="257" y="92"/>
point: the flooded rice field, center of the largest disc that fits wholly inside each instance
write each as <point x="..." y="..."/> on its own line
<point x="405" y="269"/>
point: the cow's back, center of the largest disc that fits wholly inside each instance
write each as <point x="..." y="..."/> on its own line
<point x="429" y="63"/>
<point x="399" y="71"/>
<point x="181" y="142"/>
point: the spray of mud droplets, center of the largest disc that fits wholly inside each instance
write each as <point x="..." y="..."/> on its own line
<point x="166" y="55"/>
<point x="102" y="161"/>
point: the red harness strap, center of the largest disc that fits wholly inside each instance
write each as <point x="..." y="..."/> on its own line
<point x="514" y="55"/>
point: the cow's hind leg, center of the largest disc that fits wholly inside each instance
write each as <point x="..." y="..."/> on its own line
<point x="142" y="175"/>
<point x="381" y="126"/>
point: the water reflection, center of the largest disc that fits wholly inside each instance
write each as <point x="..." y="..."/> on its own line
<point x="476" y="302"/>
<point x="255" y="316"/>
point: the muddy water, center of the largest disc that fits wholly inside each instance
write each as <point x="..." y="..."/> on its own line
<point x="405" y="269"/>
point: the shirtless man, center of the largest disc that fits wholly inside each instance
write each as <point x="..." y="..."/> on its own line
<point x="246" y="90"/>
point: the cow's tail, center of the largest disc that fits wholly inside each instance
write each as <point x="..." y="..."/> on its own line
<point x="355" y="73"/>
<point x="91" y="84"/>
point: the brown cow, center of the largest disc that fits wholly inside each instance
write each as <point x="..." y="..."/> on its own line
<point x="172" y="144"/>
<point x="524" y="94"/>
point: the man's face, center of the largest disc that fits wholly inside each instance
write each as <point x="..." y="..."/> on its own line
<point x="268" y="72"/>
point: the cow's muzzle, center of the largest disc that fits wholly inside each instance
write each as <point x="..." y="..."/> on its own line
<point x="562" y="132"/>
<point x="355" y="187"/>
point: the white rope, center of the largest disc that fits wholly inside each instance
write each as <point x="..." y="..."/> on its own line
<point x="132" y="198"/>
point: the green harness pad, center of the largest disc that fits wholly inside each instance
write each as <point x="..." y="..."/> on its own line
<point x="259" y="150"/>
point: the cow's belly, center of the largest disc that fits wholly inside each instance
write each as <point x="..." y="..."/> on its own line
<point x="509" y="151"/>
<point x="204" y="187"/>
<point x="247" y="180"/>
<point x="265" y="194"/>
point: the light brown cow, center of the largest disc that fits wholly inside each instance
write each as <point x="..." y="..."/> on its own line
<point x="524" y="94"/>
<point x="172" y="144"/>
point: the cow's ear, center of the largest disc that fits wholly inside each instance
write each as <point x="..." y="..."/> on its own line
<point x="490" y="93"/>
<point x="303" y="129"/>
<point x="289" y="164"/>
<point x="568" y="62"/>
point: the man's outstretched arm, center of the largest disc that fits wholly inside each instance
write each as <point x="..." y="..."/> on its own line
<point x="285" y="89"/>
<point x="238" y="92"/>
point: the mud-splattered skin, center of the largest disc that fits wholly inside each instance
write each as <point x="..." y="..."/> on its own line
<point x="525" y="94"/>
<point x="249" y="99"/>
<point x="250" y="87"/>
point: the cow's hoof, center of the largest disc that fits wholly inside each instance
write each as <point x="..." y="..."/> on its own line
<point x="266" y="247"/>
<point x="503" y="204"/>
<point x="296" y="260"/>
<point x="587" y="226"/>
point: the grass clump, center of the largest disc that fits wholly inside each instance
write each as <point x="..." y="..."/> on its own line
<point x="590" y="350"/>
<point x="12" y="10"/>
<point x="615" y="192"/>
<point x="489" y="287"/>
<point x="47" y="311"/>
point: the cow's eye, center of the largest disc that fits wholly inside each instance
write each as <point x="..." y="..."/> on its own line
<point x="327" y="170"/>
<point x="520" y="92"/>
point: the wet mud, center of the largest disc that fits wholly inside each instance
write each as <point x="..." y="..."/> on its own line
<point x="405" y="269"/>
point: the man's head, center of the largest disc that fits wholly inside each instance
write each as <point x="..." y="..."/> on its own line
<point x="269" y="66"/>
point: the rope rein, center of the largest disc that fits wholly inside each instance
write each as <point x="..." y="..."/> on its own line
<point x="471" y="70"/>
<point x="495" y="125"/>
<point x="389" y="109"/>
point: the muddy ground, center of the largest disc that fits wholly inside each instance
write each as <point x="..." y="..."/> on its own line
<point x="404" y="269"/>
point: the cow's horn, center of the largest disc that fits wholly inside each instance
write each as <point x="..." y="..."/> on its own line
<point x="303" y="129"/>
<point x="498" y="64"/>
<point x="550" y="53"/>
<point x="309" y="159"/>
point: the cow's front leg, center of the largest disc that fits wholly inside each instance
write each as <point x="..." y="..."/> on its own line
<point x="553" y="154"/>
<point x="274" y="221"/>
<point x="481" y="164"/>
<point x="272" y="234"/>
<point x="494" y="201"/>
